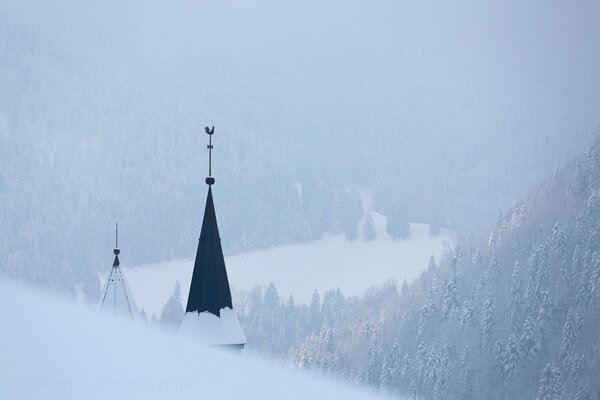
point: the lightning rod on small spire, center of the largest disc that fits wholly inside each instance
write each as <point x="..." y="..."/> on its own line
<point x="116" y="251"/>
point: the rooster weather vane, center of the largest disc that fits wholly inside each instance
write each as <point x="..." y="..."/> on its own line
<point x="209" y="180"/>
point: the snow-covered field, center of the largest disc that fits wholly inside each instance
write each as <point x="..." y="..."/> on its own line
<point x="300" y="269"/>
<point x="51" y="349"/>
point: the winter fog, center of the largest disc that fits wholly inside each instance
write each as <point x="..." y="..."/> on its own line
<point x="405" y="191"/>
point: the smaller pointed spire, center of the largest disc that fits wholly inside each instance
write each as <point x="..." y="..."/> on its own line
<point x="116" y="251"/>
<point x="115" y="296"/>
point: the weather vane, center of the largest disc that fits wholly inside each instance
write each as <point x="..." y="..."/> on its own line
<point x="209" y="180"/>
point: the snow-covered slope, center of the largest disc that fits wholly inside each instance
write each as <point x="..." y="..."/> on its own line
<point x="54" y="350"/>
<point x="300" y="269"/>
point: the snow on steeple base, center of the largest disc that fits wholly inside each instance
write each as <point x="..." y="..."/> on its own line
<point x="211" y="330"/>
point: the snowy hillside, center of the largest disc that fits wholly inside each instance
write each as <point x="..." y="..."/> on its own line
<point x="52" y="350"/>
<point x="300" y="269"/>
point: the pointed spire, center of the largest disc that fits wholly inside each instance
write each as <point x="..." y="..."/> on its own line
<point x="115" y="296"/>
<point x="209" y="290"/>
<point x="209" y="313"/>
<point x="116" y="251"/>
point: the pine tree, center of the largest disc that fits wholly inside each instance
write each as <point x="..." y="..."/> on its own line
<point x="327" y="357"/>
<point x="429" y="309"/>
<point x="578" y="366"/>
<point x="450" y="300"/>
<point x="143" y="316"/>
<point x="570" y="332"/>
<point x="537" y="277"/>
<point x="391" y="368"/>
<point x="516" y="294"/>
<point x="594" y="284"/>
<point x="557" y="387"/>
<point x="368" y="229"/>
<point x="529" y="343"/>
<point x="546" y="319"/>
<point x="467" y="387"/>
<point x="412" y="392"/>
<point x="494" y="269"/>
<point x="315" y="312"/>
<point x="566" y="273"/>
<point x="427" y="313"/>
<point x="457" y="264"/>
<point x="172" y="312"/>
<point x="551" y="384"/>
<point x="511" y="358"/>
<point x="466" y="373"/>
<point x="373" y="372"/>
<point x="271" y="298"/>
<point x="488" y="318"/>
<point x="443" y="374"/>
<point x="547" y="310"/>
<point x="421" y="361"/>
<point x="406" y="367"/>
<point x="499" y="361"/>
<point x="467" y="316"/>
<point x="332" y="307"/>
<point x="581" y="393"/>
<point x="303" y="358"/>
<point x="544" y="391"/>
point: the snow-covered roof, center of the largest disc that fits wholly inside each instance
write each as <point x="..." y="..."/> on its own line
<point x="208" y="329"/>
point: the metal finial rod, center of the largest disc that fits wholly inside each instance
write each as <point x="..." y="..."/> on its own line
<point x="210" y="180"/>
<point x="116" y="251"/>
<point x="210" y="147"/>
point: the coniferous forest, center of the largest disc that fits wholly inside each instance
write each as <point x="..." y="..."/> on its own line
<point x="515" y="314"/>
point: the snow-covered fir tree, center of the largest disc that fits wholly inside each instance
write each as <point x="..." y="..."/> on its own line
<point x="172" y="312"/>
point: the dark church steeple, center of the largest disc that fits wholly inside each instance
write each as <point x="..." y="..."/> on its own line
<point x="209" y="290"/>
<point x="210" y="296"/>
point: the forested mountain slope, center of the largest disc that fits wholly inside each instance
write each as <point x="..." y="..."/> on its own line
<point x="516" y="315"/>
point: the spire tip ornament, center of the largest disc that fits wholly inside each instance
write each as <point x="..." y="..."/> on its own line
<point x="116" y="251"/>
<point x="209" y="180"/>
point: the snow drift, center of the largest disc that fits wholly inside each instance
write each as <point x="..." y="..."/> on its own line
<point x="52" y="350"/>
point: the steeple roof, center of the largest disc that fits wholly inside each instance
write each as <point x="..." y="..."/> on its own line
<point x="116" y="297"/>
<point x="209" y="315"/>
<point x="209" y="290"/>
